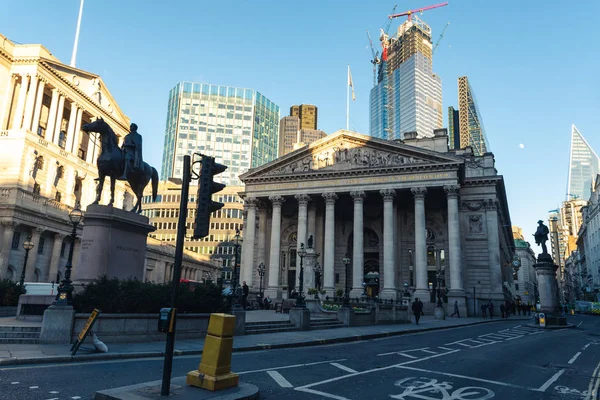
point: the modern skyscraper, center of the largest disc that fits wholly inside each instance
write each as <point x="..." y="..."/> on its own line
<point x="408" y="95"/>
<point x="239" y="127"/>
<point x="307" y="113"/>
<point x="584" y="165"/>
<point x="453" y="128"/>
<point x="471" y="129"/>
<point x="291" y="137"/>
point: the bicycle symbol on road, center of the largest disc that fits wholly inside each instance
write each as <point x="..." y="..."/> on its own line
<point x="431" y="389"/>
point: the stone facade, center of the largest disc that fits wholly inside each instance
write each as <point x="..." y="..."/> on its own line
<point x="408" y="210"/>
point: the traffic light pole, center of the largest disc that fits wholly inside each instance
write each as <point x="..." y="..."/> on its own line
<point x="179" y="244"/>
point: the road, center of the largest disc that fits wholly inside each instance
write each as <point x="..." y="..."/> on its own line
<point x="503" y="360"/>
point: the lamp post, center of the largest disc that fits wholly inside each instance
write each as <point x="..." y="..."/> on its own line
<point x="235" y="289"/>
<point x="440" y="276"/>
<point x="65" y="290"/>
<point x="261" y="273"/>
<point x="317" y="269"/>
<point x="27" y="245"/>
<point x="300" y="298"/>
<point x="346" y="261"/>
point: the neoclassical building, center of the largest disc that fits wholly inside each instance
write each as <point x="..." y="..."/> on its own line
<point x="410" y="211"/>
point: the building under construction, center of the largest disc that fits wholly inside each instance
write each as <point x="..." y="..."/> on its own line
<point x="408" y="95"/>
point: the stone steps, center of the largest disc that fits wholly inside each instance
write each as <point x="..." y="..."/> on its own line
<point x="253" y="328"/>
<point x="19" y="334"/>
<point x="326" y="323"/>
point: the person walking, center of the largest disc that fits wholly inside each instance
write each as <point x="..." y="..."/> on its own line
<point x="417" y="309"/>
<point x="456" y="311"/>
<point x="503" y="310"/>
<point x="246" y="291"/>
<point x="484" y="308"/>
<point x="491" y="309"/>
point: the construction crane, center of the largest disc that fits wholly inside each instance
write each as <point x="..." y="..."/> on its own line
<point x="439" y="40"/>
<point x="409" y="13"/>
<point x="383" y="35"/>
<point x="375" y="61"/>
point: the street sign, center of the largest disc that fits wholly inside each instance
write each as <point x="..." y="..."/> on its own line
<point x="542" y="319"/>
<point x="89" y="324"/>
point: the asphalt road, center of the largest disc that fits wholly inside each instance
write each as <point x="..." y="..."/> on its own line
<point x="503" y="360"/>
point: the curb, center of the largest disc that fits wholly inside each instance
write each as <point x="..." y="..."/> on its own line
<point x="308" y="343"/>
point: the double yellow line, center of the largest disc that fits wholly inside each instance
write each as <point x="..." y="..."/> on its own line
<point x="592" y="392"/>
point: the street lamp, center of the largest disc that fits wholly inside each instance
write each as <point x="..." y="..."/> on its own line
<point x="235" y="289"/>
<point x="317" y="269"/>
<point x="261" y="273"/>
<point x="440" y="276"/>
<point x="300" y="298"/>
<point x="27" y="245"/>
<point x="65" y="290"/>
<point x="346" y="261"/>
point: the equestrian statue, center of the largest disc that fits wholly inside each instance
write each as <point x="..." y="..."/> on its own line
<point x="124" y="163"/>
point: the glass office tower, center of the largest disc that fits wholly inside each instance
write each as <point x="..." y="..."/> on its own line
<point x="584" y="165"/>
<point x="472" y="132"/>
<point x="237" y="126"/>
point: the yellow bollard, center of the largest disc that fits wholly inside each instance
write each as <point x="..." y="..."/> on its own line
<point x="214" y="372"/>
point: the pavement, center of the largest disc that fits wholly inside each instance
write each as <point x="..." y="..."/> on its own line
<point x="12" y="354"/>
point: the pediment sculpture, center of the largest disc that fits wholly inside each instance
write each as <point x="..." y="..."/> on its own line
<point x="345" y="155"/>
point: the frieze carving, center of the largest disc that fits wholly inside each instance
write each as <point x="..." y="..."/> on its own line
<point x="475" y="224"/>
<point x="472" y="205"/>
<point x="490" y="205"/>
<point x="346" y="154"/>
<point x="474" y="163"/>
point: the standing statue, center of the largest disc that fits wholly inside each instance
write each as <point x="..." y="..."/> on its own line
<point x="132" y="151"/>
<point x="125" y="163"/>
<point x="541" y="236"/>
<point x="310" y="242"/>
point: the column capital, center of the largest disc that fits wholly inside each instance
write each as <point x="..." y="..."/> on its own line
<point x="388" y="194"/>
<point x="41" y="78"/>
<point x="419" y="192"/>
<point x="59" y="237"/>
<point x="330" y="197"/>
<point x="452" y="190"/>
<point x="9" y="224"/>
<point x="37" y="231"/>
<point x="358" y="196"/>
<point x="303" y="199"/>
<point x="250" y="202"/>
<point x="490" y="205"/>
<point x="277" y="200"/>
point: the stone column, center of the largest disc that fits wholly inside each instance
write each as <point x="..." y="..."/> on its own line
<point x="52" y="115"/>
<point x="18" y="119"/>
<point x="311" y="228"/>
<point x="422" y="291"/>
<point x="9" y="232"/>
<point x="11" y="85"/>
<point x="389" y="274"/>
<point x="55" y="259"/>
<point x="456" y="292"/>
<point x="262" y="246"/>
<point x="38" y="106"/>
<point x="275" y="248"/>
<point x="71" y="127"/>
<point x="30" y="103"/>
<point x="303" y="200"/>
<point x="89" y="155"/>
<point x="76" y="132"/>
<point x="59" y="117"/>
<point x="33" y="253"/>
<point x="545" y="270"/>
<point x="329" y="247"/>
<point x="357" y="244"/>
<point x="493" y="233"/>
<point x="247" y="257"/>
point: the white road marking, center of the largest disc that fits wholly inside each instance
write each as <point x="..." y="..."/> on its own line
<point x="466" y="377"/>
<point x="406" y="355"/>
<point x="287" y="366"/>
<point x="54" y="398"/>
<point x="591" y="385"/>
<point x="76" y="397"/>
<point x="343" y="367"/>
<point x="445" y="348"/>
<point x="34" y="387"/>
<point x="403" y="351"/>
<point x="331" y="396"/>
<point x="572" y="360"/>
<point x="464" y="344"/>
<point x="550" y="381"/>
<point x="515" y="337"/>
<point x="14" y="383"/>
<point x="277" y="377"/>
<point x="586" y="346"/>
<point x="429" y="351"/>
<point x="537" y="333"/>
<point x="579" y="324"/>
<point x="372" y="370"/>
<point x="53" y="392"/>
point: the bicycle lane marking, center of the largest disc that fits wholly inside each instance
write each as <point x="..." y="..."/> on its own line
<point x="431" y="389"/>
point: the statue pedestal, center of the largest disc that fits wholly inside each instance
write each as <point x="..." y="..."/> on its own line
<point x="547" y="288"/>
<point x="113" y="244"/>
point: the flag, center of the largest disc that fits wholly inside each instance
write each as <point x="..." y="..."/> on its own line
<point x="351" y="84"/>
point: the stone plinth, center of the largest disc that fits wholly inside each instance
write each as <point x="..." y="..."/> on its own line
<point x="57" y="324"/>
<point x="439" y="313"/>
<point x="113" y="244"/>
<point x="310" y="260"/>
<point x="300" y="318"/>
<point x="545" y="270"/>
<point x="240" y="321"/>
<point x="347" y="316"/>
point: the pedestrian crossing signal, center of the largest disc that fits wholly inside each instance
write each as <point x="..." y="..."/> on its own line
<point x="206" y="187"/>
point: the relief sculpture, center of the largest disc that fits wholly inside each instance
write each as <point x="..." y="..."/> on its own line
<point x="475" y="224"/>
<point x="346" y="154"/>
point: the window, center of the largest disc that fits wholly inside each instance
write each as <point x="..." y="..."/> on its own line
<point x="62" y="139"/>
<point x="16" y="240"/>
<point x="41" y="245"/>
<point x="36" y="188"/>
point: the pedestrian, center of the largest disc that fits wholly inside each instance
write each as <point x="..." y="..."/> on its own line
<point x="484" y="310"/>
<point x="417" y="309"/>
<point x="267" y="303"/>
<point x="245" y="291"/>
<point x="503" y="310"/>
<point x="491" y="309"/>
<point x="456" y="312"/>
<point x="566" y="310"/>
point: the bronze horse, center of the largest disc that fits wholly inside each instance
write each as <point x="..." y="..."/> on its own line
<point x="110" y="163"/>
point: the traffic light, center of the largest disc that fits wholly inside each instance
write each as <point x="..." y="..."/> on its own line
<point x="206" y="187"/>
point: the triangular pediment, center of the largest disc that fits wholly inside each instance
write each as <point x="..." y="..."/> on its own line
<point x="345" y="151"/>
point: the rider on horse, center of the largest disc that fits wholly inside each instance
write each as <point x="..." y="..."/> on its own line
<point x="132" y="151"/>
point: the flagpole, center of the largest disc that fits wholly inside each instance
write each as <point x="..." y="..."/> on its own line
<point x="74" y="56"/>
<point x="348" y="100"/>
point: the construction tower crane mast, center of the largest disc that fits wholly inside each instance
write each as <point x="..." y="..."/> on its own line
<point x="439" y="39"/>
<point x="375" y="61"/>
<point x="409" y="13"/>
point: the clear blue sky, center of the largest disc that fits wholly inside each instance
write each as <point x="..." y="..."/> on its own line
<point x="534" y="66"/>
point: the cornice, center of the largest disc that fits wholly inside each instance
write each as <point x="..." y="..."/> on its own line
<point x="6" y="55"/>
<point x="98" y="108"/>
